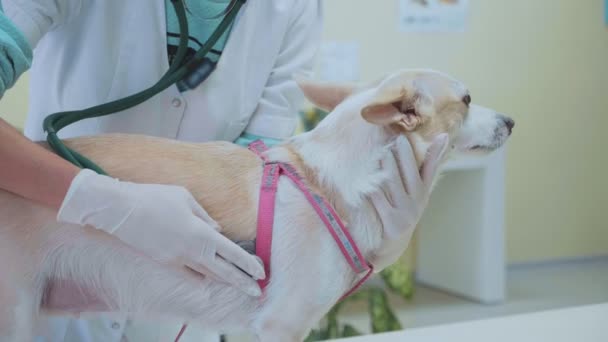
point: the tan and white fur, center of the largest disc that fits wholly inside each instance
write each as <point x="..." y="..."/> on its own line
<point x="58" y="268"/>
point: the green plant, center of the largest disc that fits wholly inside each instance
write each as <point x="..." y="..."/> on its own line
<point x="382" y="317"/>
<point x="398" y="278"/>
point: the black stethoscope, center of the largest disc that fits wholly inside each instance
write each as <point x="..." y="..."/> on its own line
<point x="187" y="74"/>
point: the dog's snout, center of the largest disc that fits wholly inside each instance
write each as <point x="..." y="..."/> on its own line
<point x="509" y="123"/>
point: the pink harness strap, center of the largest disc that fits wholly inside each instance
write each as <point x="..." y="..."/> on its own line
<point x="335" y="226"/>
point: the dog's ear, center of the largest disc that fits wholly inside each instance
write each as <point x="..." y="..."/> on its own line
<point x="392" y="114"/>
<point x="398" y="104"/>
<point x="325" y="95"/>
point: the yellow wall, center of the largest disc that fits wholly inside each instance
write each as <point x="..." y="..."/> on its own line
<point x="545" y="63"/>
<point x="13" y="106"/>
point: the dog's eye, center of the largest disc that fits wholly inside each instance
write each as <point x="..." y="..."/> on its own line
<point x="467" y="99"/>
<point x="410" y="111"/>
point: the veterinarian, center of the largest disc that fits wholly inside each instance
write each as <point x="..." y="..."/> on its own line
<point x="86" y="53"/>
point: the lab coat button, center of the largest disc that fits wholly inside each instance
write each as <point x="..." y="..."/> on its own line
<point x="176" y="102"/>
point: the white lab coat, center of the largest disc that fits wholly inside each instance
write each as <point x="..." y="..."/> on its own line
<point x="89" y="52"/>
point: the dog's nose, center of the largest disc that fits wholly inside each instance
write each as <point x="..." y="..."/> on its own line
<point x="508" y="122"/>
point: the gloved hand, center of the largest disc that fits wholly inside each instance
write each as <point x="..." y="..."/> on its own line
<point x="401" y="203"/>
<point x="163" y="221"/>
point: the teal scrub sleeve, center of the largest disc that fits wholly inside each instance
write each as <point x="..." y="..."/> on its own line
<point x="246" y="138"/>
<point x="15" y="54"/>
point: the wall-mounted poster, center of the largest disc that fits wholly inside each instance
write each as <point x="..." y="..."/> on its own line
<point x="433" y="15"/>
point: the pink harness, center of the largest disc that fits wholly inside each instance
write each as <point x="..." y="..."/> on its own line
<point x="270" y="179"/>
<point x="263" y="243"/>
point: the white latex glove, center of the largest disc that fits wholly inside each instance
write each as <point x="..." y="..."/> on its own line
<point x="402" y="202"/>
<point x="163" y="221"/>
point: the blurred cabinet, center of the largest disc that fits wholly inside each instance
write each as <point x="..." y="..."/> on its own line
<point x="461" y="238"/>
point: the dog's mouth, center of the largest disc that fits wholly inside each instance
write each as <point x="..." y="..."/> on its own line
<point x="500" y="136"/>
<point x="478" y="148"/>
<point x="496" y="143"/>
